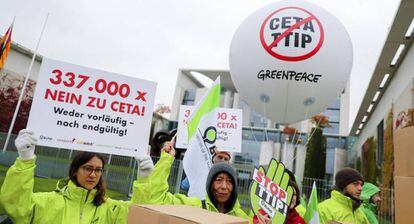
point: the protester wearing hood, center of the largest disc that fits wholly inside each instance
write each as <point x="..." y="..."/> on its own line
<point x="344" y="203"/>
<point x="370" y="201"/>
<point x="81" y="198"/>
<point x="221" y="187"/>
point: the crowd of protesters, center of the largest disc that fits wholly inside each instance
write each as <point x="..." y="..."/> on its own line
<point x="82" y="198"/>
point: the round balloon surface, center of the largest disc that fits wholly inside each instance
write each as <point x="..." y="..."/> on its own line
<point x="290" y="60"/>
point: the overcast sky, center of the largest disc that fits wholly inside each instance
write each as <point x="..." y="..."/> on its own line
<point x="152" y="39"/>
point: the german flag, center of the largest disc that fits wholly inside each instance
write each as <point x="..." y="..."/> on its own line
<point x="5" y="44"/>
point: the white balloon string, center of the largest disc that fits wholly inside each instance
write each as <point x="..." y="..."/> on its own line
<point x="254" y="136"/>
<point x="307" y="141"/>
<point x="306" y="117"/>
<point x="267" y="120"/>
<point x="310" y="137"/>
<point x="297" y="141"/>
<point x="286" y="102"/>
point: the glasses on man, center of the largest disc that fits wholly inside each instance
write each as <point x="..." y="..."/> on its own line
<point x="89" y="170"/>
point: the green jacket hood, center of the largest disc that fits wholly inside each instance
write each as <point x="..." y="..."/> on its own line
<point x="368" y="190"/>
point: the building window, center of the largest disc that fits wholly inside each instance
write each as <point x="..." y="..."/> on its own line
<point x="336" y="104"/>
<point x="189" y="97"/>
<point x="273" y="136"/>
<point x="332" y="130"/>
<point x="380" y="143"/>
<point x="258" y="120"/>
<point x="253" y="135"/>
<point x="332" y="114"/>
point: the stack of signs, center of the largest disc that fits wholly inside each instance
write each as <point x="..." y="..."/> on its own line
<point x="270" y="192"/>
<point x="81" y="108"/>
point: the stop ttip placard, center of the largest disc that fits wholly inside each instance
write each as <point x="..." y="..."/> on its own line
<point x="81" y="108"/>
<point x="227" y="125"/>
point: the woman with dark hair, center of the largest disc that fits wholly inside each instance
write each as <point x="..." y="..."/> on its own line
<point x="157" y="142"/>
<point x="293" y="216"/>
<point x="79" y="199"/>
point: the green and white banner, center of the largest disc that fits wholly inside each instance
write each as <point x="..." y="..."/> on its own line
<point x="202" y="136"/>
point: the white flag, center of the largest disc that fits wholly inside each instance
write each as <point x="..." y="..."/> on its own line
<point x="198" y="158"/>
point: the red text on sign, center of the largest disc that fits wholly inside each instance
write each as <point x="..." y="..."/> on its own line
<point x="62" y="96"/>
<point x="96" y="102"/>
<point x="128" y="108"/>
<point x="268" y="184"/>
<point x="141" y="96"/>
<point x="227" y="125"/>
<point x="112" y="88"/>
<point x="69" y="79"/>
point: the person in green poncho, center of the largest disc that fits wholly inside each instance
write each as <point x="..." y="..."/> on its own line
<point x="370" y="201"/>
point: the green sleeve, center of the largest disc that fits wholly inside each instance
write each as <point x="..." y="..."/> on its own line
<point x="363" y="217"/>
<point x="322" y="214"/>
<point x="157" y="186"/>
<point x="140" y="194"/>
<point x="369" y="214"/>
<point x="117" y="211"/>
<point x="16" y="195"/>
<point x="301" y="210"/>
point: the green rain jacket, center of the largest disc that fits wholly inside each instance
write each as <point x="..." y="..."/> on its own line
<point x="70" y="204"/>
<point x="155" y="190"/>
<point x="339" y="208"/>
<point x="370" y="209"/>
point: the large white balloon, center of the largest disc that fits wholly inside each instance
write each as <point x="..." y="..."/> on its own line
<point x="290" y="59"/>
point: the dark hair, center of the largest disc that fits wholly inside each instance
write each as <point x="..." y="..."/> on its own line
<point x="292" y="183"/>
<point x="158" y="140"/>
<point x="80" y="159"/>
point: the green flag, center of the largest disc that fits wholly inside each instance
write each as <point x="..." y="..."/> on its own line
<point x="312" y="214"/>
<point x="198" y="158"/>
<point x="209" y="102"/>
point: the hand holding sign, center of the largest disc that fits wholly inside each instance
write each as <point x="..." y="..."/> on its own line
<point x="270" y="193"/>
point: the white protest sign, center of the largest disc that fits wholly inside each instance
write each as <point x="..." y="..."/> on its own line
<point x="228" y="123"/>
<point x="86" y="109"/>
<point x="290" y="60"/>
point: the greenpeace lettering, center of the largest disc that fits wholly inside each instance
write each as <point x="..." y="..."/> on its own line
<point x="290" y="60"/>
<point x="288" y="75"/>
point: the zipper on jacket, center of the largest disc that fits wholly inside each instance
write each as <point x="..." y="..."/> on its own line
<point x="82" y="204"/>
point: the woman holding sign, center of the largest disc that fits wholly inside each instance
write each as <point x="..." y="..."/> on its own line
<point x="221" y="187"/>
<point x="79" y="199"/>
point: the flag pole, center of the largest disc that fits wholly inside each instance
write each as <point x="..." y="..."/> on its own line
<point x="16" y="111"/>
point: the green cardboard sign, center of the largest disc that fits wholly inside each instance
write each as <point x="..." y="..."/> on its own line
<point x="270" y="192"/>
